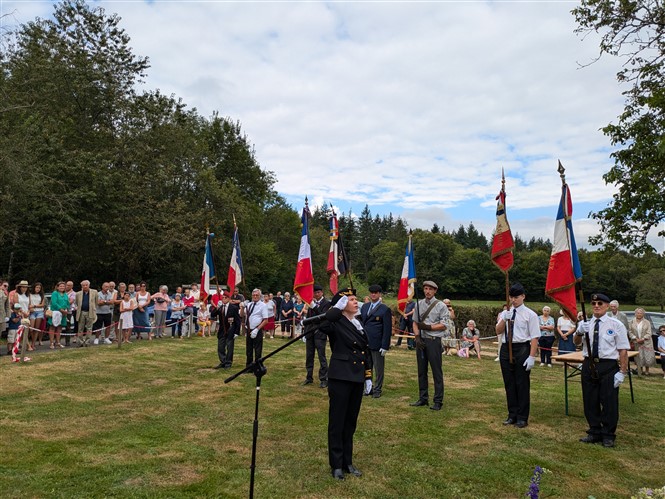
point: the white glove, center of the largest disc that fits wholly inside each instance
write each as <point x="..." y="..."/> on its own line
<point x="235" y="336"/>
<point x="304" y="339"/>
<point x="618" y="379"/>
<point x="382" y="351"/>
<point x="6" y="319"/>
<point x="368" y="386"/>
<point x="506" y="315"/>
<point x="254" y="333"/>
<point x="341" y="304"/>
<point x="529" y="362"/>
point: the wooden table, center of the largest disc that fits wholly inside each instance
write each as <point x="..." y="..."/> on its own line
<point x="575" y="360"/>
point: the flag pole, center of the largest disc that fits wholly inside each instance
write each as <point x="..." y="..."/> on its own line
<point x="509" y="326"/>
<point x="578" y="284"/>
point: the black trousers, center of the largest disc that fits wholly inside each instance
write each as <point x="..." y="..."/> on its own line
<point x="516" y="380"/>
<point x="430" y="356"/>
<point x="345" y="399"/>
<point x="546" y="343"/>
<point x="316" y="341"/>
<point x="601" y="399"/>
<point x="225" y="345"/>
<point x="253" y="347"/>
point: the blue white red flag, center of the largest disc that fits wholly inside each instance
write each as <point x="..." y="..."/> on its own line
<point x="303" y="285"/>
<point x="408" y="280"/>
<point x="564" y="268"/>
<point x="208" y="271"/>
<point x="235" y="267"/>
<point x="337" y="262"/>
<point x="502" y="244"/>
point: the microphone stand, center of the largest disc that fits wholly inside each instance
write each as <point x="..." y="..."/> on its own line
<point x="259" y="370"/>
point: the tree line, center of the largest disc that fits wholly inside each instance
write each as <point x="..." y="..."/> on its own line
<point x="101" y="180"/>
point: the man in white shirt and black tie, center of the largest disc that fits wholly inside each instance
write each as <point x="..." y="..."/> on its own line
<point x="602" y="371"/>
<point x="256" y="316"/>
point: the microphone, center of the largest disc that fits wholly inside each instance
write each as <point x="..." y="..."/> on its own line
<point x="332" y="315"/>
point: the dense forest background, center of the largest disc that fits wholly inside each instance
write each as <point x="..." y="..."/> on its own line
<point x="102" y="181"/>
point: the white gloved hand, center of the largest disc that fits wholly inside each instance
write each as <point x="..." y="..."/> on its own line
<point x="382" y="351"/>
<point x="341" y="304"/>
<point x="235" y="336"/>
<point x="506" y="315"/>
<point x="6" y="319"/>
<point x="529" y="362"/>
<point x="618" y="379"/>
<point x="254" y="333"/>
<point x="368" y="386"/>
<point x="304" y="339"/>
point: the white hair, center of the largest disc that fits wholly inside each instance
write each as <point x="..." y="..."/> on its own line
<point x="547" y="308"/>
<point x="164" y="287"/>
<point x="615" y="303"/>
<point x="471" y="321"/>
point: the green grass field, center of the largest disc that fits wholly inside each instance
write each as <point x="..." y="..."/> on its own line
<point x="154" y="420"/>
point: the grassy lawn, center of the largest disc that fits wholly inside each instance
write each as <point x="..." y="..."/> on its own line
<point x="154" y="420"/>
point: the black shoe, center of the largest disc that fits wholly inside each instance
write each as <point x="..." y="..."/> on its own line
<point x="508" y="421"/>
<point x="420" y="403"/>
<point x="307" y="382"/>
<point x="353" y="470"/>
<point x="521" y="424"/>
<point x="337" y="474"/>
<point x="608" y="442"/>
<point x="590" y="439"/>
<point x="436" y="407"/>
<point x="376" y="395"/>
<point x="219" y="366"/>
<point x="367" y="394"/>
<point x="323" y="384"/>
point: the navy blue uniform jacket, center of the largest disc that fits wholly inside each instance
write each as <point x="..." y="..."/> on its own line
<point x="350" y="359"/>
<point x="378" y="325"/>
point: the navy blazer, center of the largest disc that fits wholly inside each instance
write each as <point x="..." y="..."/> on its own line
<point x="378" y="324"/>
<point x="350" y="359"/>
<point x="229" y="325"/>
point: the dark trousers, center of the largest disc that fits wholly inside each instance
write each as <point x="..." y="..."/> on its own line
<point x="430" y="356"/>
<point x="225" y="345"/>
<point x="316" y="341"/>
<point x="345" y="399"/>
<point x="601" y="399"/>
<point x="546" y="343"/>
<point x="253" y="347"/>
<point x="516" y="380"/>
<point x="379" y="362"/>
<point x="286" y="326"/>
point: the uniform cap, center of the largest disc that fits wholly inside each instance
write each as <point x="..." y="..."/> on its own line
<point x="517" y="290"/>
<point x="340" y="293"/>
<point x="600" y="297"/>
<point x="375" y="288"/>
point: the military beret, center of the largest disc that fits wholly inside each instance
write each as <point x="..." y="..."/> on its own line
<point x="600" y="297"/>
<point x="517" y="290"/>
<point x="340" y="293"/>
<point x="375" y="288"/>
<point x="431" y="284"/>
<point x="317" y="287"/>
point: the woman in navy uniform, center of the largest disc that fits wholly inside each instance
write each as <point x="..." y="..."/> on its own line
<point x="349" y="375"/>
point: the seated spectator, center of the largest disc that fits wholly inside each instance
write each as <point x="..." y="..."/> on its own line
<point x="470" y="337"/>
<point x="203" y="318"/>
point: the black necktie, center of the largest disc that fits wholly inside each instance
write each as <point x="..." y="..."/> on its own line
<point x="594" y="348"/>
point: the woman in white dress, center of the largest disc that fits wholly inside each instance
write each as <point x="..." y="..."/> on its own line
<point x="127" y="306"/>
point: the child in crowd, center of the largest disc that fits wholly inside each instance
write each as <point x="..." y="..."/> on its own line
<point x="127" y="307"/>
<point x="12" y="327"/>
<point x="661" y="347"/>
<point x="177" y="314"/>
<point x="204" y="319"/>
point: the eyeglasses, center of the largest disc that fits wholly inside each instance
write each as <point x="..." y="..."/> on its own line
<point x="597" y="303"/>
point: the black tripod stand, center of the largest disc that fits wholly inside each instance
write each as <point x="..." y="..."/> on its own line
<point x="259" y="370"/>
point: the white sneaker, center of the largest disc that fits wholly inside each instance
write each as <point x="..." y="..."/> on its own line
<point x="107" y="341"/>
<point x="496" y="360"/>
<point x="542" y="365"/>
<point x="96" y="342"/>
<point x="549" y="365"/>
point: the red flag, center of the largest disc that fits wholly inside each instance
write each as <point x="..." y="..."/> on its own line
<point x="502" y="244"/>
<point x="303" y="285"/>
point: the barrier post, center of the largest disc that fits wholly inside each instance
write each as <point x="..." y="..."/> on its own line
<point x="119" y="335"/>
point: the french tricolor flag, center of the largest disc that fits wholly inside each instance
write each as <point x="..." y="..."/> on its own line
<point x="408" y="279"/>
<point x="303" y="284"/>
<point x="564" y="268"/>
<point x="208" y="271"/>
<point x="235" y="267"/>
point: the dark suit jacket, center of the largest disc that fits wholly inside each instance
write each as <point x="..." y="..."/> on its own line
<point x="322" y="308"/>
<point x="350" y="359"/>
<point x="378" y="324"/>
<point x="229" y="324"/>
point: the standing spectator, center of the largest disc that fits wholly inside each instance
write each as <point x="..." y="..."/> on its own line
<point x="377" y="320"/>
<point x="20" y="296"/>
<point x="36" y="308"/>
<point x="270" y="305"/>
<point x="127" y="306"/>
<point x="470" y="337"/>
<point x="453" y="317"/>
<point x="215" y="300"/>
<point x="639" y="333"/>
<point x="298" y="313"/>
<point x="196" y="294"/>
<point x="188" y="302"/>
<point x="286" y="315"/>
<point x="59" y="312"/>
<point x="117" y="300"/>
<point x="406" y="324"/>
<point x="614" y="312"/>
<point x="565" y="327"/>
<point x="227" y="314"/>
<point x="104" y="315"/>
<point x="162" y="301"/>
<point x="429" y="323"/>
<point x="317" y="341"/>
<point x="86" y="312"/>
<point x="140" y="315"/>
<point x="237" y="298"/>
<point x="278" y="311"/>
<point x="72" y="325"/>
<point x="661" y="347"/>
<point x="177" y="314"/>
<point x="5" y="312"/>
<point x="115" y="314"/>
<point x="516" y="375"/>
<point x="132" y="290"/>
<point x="256" y="316"/>
<point x="546" y="340"/>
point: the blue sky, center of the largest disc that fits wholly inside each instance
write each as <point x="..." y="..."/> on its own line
<point x="410" y="107"/>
